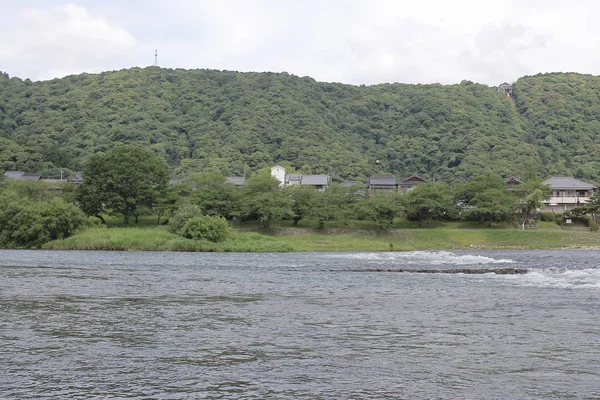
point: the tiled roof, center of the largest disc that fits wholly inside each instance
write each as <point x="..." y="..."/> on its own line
<point x="317" y="180"/>
<point x="562" y="182"/>
<point x="382" y="181"/>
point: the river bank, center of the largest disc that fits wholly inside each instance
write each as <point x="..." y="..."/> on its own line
<point x="302" y="239"/>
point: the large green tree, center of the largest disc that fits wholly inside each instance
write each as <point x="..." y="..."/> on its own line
<point x="264" y="199"/>
<point x="428" y="202"/>
<point x="121" y="180"/>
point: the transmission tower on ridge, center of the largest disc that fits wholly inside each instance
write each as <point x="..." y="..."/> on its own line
<point x="156" y="58"/>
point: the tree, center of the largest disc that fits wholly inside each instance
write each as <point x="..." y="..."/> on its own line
<point x="429" y="201"/>
<point x="213" y="194"/>
<point x="263" y="198"/>
<point x="302" y="198"/>
<point x="485" y="198"/>
<point x="382" y="209"/>
<point x="121" y="180"/>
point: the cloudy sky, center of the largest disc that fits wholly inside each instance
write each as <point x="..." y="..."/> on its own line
<point x="349" y="41"/>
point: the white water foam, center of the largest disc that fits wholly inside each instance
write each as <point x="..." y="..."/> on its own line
<point x="423" y="257"/>
<point x="560" y="278"/>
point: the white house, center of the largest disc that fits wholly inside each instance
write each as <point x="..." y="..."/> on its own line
<point x="567" y="193"/>
<point x="278" y="172"/>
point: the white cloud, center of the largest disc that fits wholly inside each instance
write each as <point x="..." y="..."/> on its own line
<point x="64" y="40"/>
<point x="351" y="41"/>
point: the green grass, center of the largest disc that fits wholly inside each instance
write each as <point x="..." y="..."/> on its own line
<point x="157" y="239"/>
<point x="439" y="239"/>
<point x="362" y="236"/>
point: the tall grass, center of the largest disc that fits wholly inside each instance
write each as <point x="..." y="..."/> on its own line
<point x="130" y="239"/>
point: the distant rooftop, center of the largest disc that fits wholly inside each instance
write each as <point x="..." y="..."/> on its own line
<point x="316" y="180"/>
<point x="563" y="182"/>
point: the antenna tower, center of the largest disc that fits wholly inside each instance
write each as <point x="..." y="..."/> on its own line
<point x="156" y="58"/>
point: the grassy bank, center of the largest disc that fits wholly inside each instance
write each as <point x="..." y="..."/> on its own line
<point x="333" y="239"/>
<point x="157" y="239"/>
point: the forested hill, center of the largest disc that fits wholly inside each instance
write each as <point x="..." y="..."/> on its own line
<point x="236" y="123"/>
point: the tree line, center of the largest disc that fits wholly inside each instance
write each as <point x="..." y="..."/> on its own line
<point x="131" y="181"/>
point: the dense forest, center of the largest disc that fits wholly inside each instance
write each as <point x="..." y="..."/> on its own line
<point x="237" y="123"/>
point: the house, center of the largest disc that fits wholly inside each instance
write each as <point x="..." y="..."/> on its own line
<point x="319" y="182"/>
<point x="278" y="172"/>
<point x="293" y="179"/>
<point x="22" y="176"/>
<point x="236" y="180"/>
<point x="77" y="179"/>
<point x="512" y="183"/>
<point x="408" y="184"/>
<point x="382" y="183"/>
<point x="567" y="193"/>
<point x="506" y="88"/>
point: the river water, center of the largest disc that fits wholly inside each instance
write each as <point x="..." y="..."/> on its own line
<point x="418" y="325"/>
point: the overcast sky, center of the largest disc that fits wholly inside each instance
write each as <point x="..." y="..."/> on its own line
<point x="349" y="41"/>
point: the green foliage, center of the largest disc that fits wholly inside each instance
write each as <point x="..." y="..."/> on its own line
<point x="547" y="217"/>
<point x="232" y="123"/>
<point x="213" y="229"/>
<point x="382" y="209"/>
<point x="183" y="214"/>
<point x="212" y="194"/>
<point x="122" y="179"/>
<point x="428" y="202"/>
<point x="263" y="198"/>
<point x="486" y="198"/>
<point x="24" y="223"/>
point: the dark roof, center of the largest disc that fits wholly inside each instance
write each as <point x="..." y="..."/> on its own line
<point x="563" y="182"/>
<point x="22" y="176"/>
<point x="78" y="178"/>
<point x="412" y="180"/>
<point x="293" y="177"/>
<point x="315" y="180"/>
<point x="513" y="181"/>
<point x="505" y="85"/>
<point x="382" y="181"/>
<point x="236" y="180"/>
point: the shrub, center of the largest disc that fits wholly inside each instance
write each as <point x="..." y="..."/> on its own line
<point x="593" y="226"/>
<point x="183" y="215"/>
<point x="214" y="229"/>
<point x="547" y="216"/>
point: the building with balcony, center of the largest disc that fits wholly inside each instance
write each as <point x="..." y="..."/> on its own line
<point x="567" y="193"/>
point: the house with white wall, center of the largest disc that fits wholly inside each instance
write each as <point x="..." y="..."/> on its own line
<point x="567" y="193"/>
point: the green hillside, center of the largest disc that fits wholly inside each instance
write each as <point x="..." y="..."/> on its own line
<point x="235" y="123"/>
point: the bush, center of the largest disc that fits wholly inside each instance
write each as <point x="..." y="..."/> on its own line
<point x="183" y="215"/>
<point x="33" y="224"/>
<point x="547" y="216"/>
<point x="214" y="229"/>
<point x="593" y="226"/>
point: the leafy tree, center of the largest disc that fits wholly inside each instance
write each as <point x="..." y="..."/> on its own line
<point x="262" y="197"/>
<point x="429" y="201"/>
<point x="302" y="199"/>
<point x="121" y="180"/>
<point x="382" y="209"/>
<point x="486" y="198"/>
<point x="213" y="194"/>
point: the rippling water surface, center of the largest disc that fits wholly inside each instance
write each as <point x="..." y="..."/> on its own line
<point x="420" y="325"/>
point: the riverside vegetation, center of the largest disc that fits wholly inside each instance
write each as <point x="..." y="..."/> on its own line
<point x="132" y="129"/>
<point x="198" y="215"/>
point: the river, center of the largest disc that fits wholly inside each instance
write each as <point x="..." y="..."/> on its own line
<point x="417" y="325"/>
